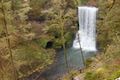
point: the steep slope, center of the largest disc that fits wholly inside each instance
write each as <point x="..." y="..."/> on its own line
<point x="106" y="65"/>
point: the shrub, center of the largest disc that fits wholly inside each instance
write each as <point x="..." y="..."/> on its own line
<point x="93" y="76"/>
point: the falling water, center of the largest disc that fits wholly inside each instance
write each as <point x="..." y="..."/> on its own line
<point x="86" y="36"/>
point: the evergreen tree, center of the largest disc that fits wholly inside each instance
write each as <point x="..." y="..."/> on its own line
<point x="10" y="72"/>
<point x="13" y="23"/>
<point x="20" y="9"/>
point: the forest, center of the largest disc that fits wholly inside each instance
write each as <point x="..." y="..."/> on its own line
<point x="33" y="33"/>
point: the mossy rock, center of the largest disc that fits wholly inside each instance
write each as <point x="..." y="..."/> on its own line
<point x="43" y="40"/>
<point x="57" y="43"/>
<point x="68" y="38"/>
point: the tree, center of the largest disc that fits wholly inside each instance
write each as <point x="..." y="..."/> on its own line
<point x="5" y="21"/>
<point x="9" y="27"/>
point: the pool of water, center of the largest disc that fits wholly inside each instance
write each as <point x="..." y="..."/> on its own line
<point x="58" y="69"/>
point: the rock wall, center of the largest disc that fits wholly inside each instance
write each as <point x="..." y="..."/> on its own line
<point x="108" y="23"/>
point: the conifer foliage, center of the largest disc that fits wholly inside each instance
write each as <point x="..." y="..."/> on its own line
<point x="22" y="50"/>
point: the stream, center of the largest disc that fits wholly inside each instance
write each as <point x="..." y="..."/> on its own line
<point x="85" y="40"/>
<point x="58" y="69"/>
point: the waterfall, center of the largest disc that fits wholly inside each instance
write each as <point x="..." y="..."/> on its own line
<point x="86" y="35"/>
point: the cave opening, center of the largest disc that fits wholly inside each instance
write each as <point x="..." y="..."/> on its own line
<point x="49" y="44"/>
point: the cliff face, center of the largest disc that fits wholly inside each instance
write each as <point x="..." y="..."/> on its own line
<point x="106" y="65"/>
<point x="108" y="25"/>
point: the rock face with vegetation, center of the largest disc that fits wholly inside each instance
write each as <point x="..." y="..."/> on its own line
<point x="31" y="31"/>
<point x="55" y="17"/>
<point x="106" y="65"/>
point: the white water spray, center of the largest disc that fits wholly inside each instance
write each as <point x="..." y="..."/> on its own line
<point x="86" y="36"/>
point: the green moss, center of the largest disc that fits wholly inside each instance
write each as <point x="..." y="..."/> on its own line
<point x="114" y="75"/>
<point x="68" y="38"/>
<point x="93" y="76"/>
<point x="43" y="40"/>
<point x="57" y="43"/>
<point x="84" y="1"/>
<point x="88" y="62"/>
